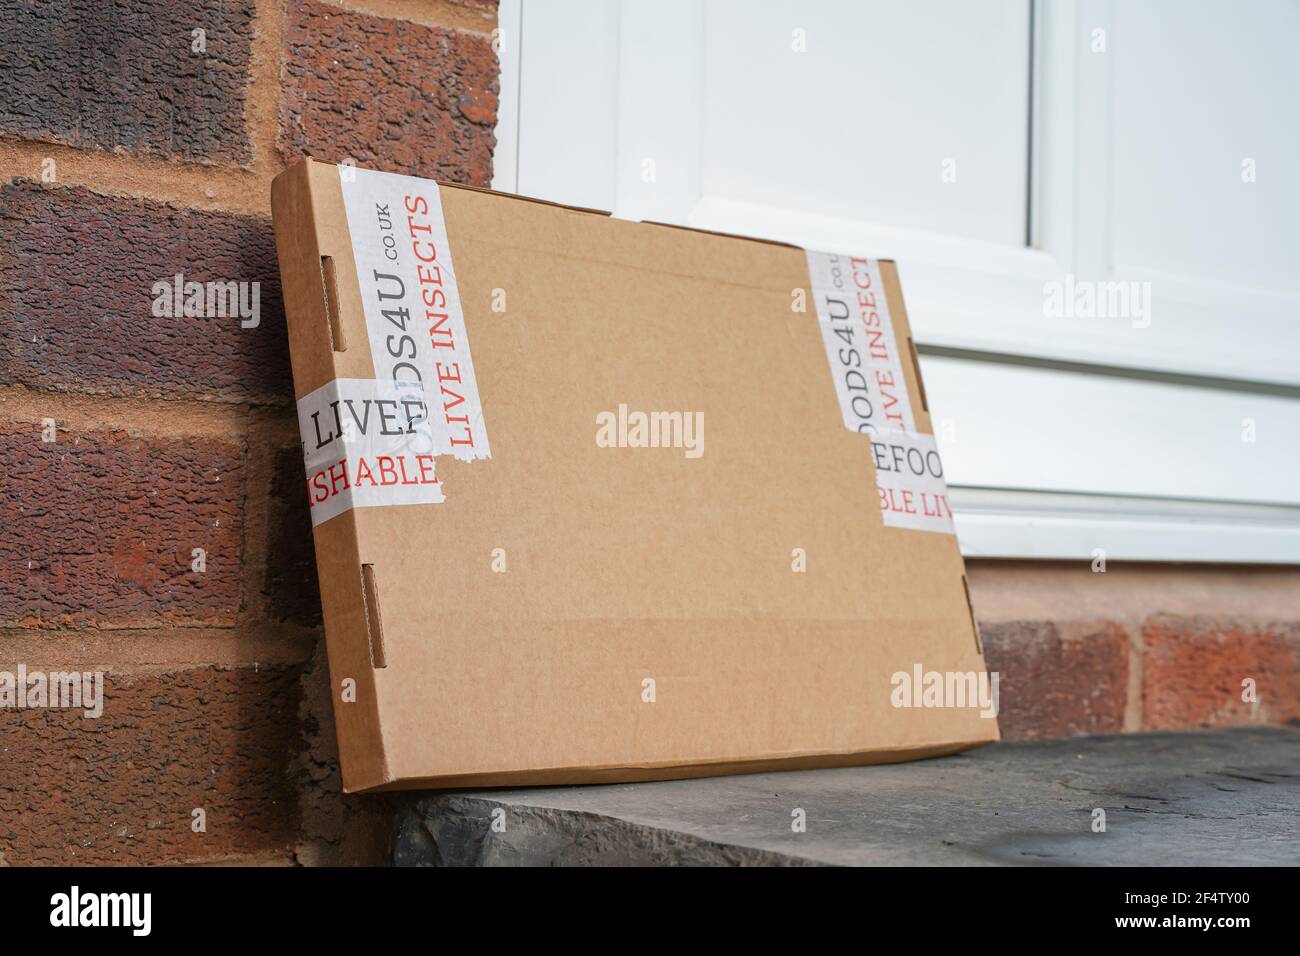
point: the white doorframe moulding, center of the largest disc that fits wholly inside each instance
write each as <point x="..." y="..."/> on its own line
<point x="996" y="523"/>
<point x="601" y="103"/>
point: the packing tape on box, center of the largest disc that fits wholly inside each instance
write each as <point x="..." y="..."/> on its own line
<point x="367" y="443"/>
<point x="372" y="442"/>
<point x="867" y="368"/>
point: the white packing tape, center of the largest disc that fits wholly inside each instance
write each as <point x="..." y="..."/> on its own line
<point x="866" y="362"/>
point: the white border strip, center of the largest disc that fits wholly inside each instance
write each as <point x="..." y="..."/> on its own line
<point x="996" y="523"/>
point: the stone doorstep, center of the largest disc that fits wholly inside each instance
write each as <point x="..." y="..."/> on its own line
<point x="1226" y="797"/>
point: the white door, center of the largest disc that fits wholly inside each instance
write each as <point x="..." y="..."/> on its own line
<point x="1092" y="205"/>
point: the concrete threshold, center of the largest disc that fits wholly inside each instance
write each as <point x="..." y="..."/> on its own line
<point x="1209" y="798"/>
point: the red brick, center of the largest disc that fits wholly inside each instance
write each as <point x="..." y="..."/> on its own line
<point x="1194" y="668"/>
<point x="388" y="94"/>
<point x="291" y="586"/>
<point x="109" y="75"/>
<point x="76" y="298"/>
<point x="1058" y="680"/>
<point x="100" y="527"/>
<point x="122" y="788"/>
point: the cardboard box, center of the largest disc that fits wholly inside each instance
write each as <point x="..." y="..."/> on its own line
<point x="657" y="505"/>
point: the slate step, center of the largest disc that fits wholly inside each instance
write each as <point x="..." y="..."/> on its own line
<point x="1221" y="797"/>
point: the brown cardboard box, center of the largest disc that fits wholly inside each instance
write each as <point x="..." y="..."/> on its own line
<point x="745" y="599"/>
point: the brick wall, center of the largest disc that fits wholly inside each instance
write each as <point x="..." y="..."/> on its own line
<point x="131" y="149"/>
<point x="128" y="156"/>
<point x="1139" y="647"/>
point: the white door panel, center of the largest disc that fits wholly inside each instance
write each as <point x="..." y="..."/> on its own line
<point x="1038" y="429"/>
<point x="905" y="115"/>
<point x="1199" y="89"/>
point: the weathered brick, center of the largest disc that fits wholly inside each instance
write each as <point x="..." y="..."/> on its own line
<point x="291" y="586"/>
<point x="388" y="93"/>
<point x="101" y="526"/>
<point x="1194" y="669"/>
<point x="1058" y="680"/>
<point x="77" y="298"/>
<point x="122" y="788"/>
<point x="109" y="75"/>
